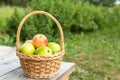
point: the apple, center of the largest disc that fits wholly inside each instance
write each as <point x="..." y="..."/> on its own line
<point x="43" y="51"/>
<point x="54" y="47"/>
<point x="29" y="41"/>
<point x="40" y="40"/>
<point x="27" y="48"/>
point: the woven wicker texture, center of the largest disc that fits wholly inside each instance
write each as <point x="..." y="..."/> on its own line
<point x="35" y="66"/>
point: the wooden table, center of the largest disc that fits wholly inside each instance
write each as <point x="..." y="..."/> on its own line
<point x="10" y="67"/>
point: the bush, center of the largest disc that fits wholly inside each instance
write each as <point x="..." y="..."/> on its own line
<point x="110" y="17"/>
<point x="5" y="39"/>
<point x="107" y="3"/>
<point x="74" y="16"/>
<point x="70" y="14"/>
<point x="22" y="3"/>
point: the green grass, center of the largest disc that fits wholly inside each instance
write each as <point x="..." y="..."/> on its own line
<point x="96" y="54"/>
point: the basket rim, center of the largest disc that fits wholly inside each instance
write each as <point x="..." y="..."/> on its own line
<point x="38" y="57"/>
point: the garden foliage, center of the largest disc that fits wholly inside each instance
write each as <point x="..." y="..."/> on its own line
<point x="74" y="16"/>
<point x="22" y="3"/>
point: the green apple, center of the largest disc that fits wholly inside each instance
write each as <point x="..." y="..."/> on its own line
<point x="54" y="47"/>
<point x="27" y="48"/>
<point x="43" y="51"/>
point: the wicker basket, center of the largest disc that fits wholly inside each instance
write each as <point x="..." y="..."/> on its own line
<point x="35" y="66"/>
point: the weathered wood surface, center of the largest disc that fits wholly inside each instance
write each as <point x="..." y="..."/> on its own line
<point x="8" y="60"/>
<point x="10" y="68"/>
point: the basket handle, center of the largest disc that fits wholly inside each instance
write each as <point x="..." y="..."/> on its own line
<point x="46" y="14"/>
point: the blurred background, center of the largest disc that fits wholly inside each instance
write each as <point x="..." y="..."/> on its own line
<point x="91" y="30"/>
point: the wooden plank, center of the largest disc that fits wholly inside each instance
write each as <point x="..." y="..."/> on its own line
<point x="66" y="70"/>
<point x="6" y="51"/>
<point x="8" y="60"/>
<point x="8" y="66"/>
<point x="17" y="74"/>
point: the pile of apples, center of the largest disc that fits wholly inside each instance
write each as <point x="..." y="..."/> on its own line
<point x="39" y="45"/>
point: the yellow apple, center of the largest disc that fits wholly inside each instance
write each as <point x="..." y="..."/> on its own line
<point x="27" y="48"/>
<point x="54" y="47"/>
<point x="43" y="51"/>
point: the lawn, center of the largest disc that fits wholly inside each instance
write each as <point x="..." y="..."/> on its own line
<point x="96" y="54"/>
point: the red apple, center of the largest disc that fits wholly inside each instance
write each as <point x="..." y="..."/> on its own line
<point x="40" y="40"/>
<point x="29" y="41"/>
